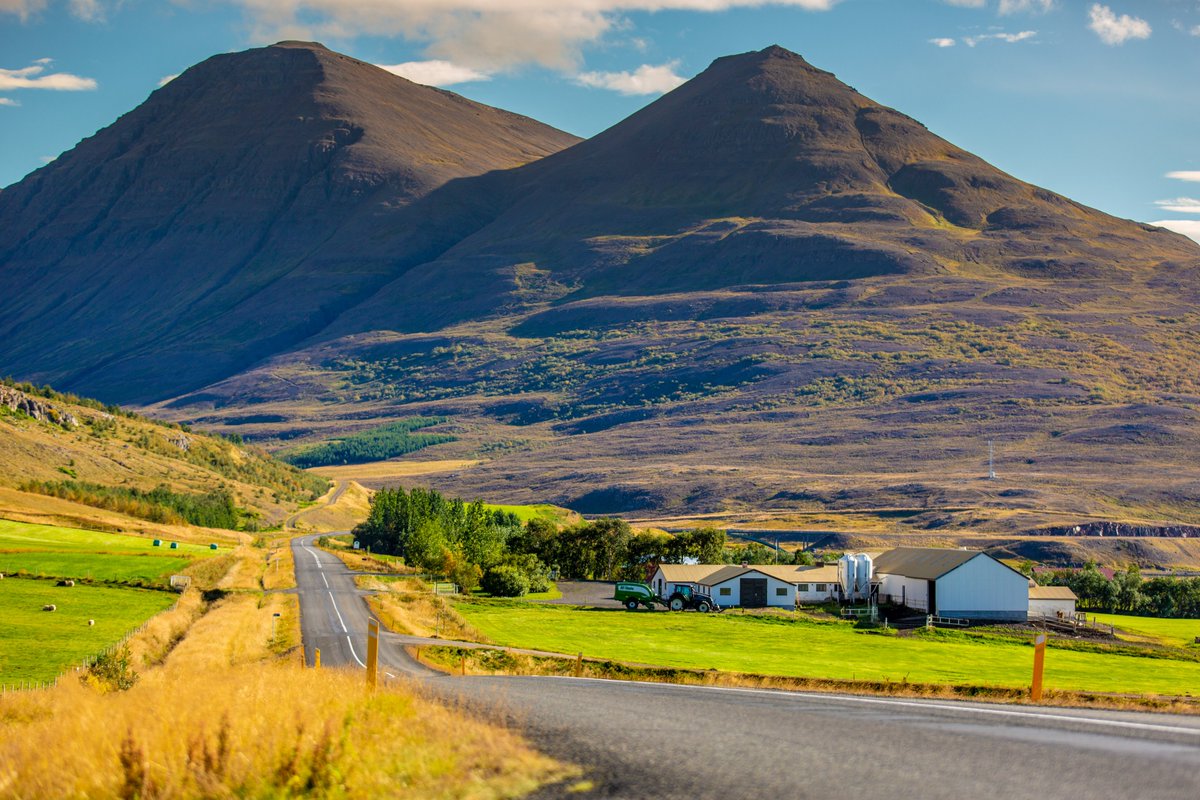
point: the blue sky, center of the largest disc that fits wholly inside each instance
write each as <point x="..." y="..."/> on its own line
<point x="1099" y="101"/>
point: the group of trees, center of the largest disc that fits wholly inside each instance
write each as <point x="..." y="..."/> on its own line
<point x="387" y="441"/>
<point x="1130" y="593"/>
<point x="214" y="509"/>
<point x="475" y="546"/>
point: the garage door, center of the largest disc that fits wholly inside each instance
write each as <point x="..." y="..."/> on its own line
<point x="754" y="592"/>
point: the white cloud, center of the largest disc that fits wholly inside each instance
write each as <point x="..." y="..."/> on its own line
<point x="1188" y="227"/>
<point x="436" y="72"/>
<point x="486" y="35"/>
<point x="1185" y="175"/>
<point x="1113" y="29"/>
<point x="87" y="10"/>
<point x="165" y="79"/>
<point x="1010" y="38"/>
<point x="1180" y="205"/>
<point x="8" y="101"/>
<point x="22" y="8"/>
<point x="942" y="42"/>
<point x="1009" y="6"/>
<point x="646" y="79"/>
<point x="1019" y="6"/>
<point x="31" y="77"/>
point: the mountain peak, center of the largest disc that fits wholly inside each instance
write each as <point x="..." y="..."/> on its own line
<point x="293" y="44"/>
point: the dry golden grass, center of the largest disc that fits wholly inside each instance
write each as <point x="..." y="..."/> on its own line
<point x="383" y="470"/>
<point x="154" y="642"/>
<point x="40" y="509"/>
<point x="279" y="571"/>
<point x="410" y="607"/>
<point x="335" y="511"/>
<point x="274" y="730"/>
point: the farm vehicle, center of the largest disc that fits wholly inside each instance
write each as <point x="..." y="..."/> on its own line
<point x="632" y="595"/>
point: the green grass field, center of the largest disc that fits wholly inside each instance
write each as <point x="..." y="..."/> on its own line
<point x="73" y="553"/>
<point x="544" y="511"/>
<point x="808" y="648"/>
<point x="1171" y="632"/>
<point x="37" y="645"/>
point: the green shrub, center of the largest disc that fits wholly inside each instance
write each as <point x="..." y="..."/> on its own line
<point x="505" y="581"/>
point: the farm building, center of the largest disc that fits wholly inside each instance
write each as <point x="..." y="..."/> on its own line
<point x="1051" y="601"/>
<point x="967" y="584"/>
<point x="758" y="586"/>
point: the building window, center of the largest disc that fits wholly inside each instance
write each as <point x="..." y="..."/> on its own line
<point x="781" y="591"/>
<point x="802" y="587"/>
<point x="820" y="587"/>
<point x="726" y="591"/>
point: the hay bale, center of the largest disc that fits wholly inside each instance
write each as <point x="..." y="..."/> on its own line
<point x="91" y="622"/>
<point x="65" y="583"/>
<point x="50" y="607"/>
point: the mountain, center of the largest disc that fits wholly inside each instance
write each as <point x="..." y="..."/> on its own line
<point x="761" y="170"/>
<point x="229" y="217"/>
<point x="763" y="295"/>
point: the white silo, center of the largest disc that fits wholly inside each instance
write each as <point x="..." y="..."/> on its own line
<point x="863" y="573"/>
<point x="848" y="575"/>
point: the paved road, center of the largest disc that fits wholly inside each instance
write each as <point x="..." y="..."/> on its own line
<point x="652" y="740"/>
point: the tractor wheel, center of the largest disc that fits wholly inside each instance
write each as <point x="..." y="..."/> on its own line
<point x="677" y="604"/>
<point x="703" y="607"/>
<point x="631" y="605"/>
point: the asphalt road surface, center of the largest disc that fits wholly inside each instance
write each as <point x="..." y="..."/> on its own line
<point x="659" y="741"/>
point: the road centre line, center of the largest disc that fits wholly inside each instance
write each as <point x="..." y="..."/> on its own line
<point x="325" y="579"/>
<point x="313" y="553"/>
<point x="339" y="616"/>
<point x="1112" y="723"/>
<point x="350" y="642"/>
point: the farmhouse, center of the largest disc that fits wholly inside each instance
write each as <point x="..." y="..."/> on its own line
<point x="967" y="584"/>
<point x="758" y="586"/>
<point x="1051" y="601"/>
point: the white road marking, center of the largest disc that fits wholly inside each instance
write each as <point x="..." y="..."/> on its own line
<point x="1111" y="723"/>
<point x="350" y="642"/>
<point x="313" y="553"/>
<point x="339" y="616"/>
<point x="390" y="675"/>
<point x="324" y="579"/>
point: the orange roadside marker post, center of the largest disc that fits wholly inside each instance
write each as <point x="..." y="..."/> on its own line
<point x="316" y="658"/>
<point x="372" y="652"/>
<point x="1039" y="662"/>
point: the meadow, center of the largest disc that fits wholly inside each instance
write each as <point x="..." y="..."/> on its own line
<point x="37" y="645"/>
<point x="811" y="648"/>
<point x="53" y="551"/>
<point x="1170" y="632"/>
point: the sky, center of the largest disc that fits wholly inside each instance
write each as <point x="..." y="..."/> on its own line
<point x="1099" y="101"/>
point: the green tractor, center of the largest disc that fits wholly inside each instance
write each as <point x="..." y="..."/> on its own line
<point x="631" y="595"/>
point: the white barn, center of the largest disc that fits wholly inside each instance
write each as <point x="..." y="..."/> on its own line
<point x="1051" y="601"/>
<point x="750" y="587"/>
<point x="968" y="584"/>
<point x="731" y="585"/>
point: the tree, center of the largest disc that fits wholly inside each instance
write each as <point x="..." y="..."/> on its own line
<point x="426" y="546"/>
<point x="505" y="581"/>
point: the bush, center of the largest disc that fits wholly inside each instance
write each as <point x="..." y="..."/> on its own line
<point x="505" y="581"/>
<point x="111" y="671"/>
<point x="539" y="582"/>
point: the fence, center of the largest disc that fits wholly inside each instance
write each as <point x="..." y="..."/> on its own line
<point x="25" y="686"/>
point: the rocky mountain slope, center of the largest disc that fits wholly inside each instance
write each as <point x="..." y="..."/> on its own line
<point x="230" y="216"/>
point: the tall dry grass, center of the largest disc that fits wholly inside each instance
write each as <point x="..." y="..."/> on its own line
<point x="410" y="607"/>
<point x="226" y="717"/>
<point x="253" y="731"/>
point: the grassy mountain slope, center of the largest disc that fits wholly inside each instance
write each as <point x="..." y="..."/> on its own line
<point x="77" y="442"/>
<point x="232" y="215"/>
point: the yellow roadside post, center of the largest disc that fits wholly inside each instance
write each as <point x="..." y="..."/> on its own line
<point x="1039" y="661"/>
<point x="316" y="658"/>
<point x="462" y="662"/>
<point x="372" y="652"/>
<point x="579" y="666"/>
